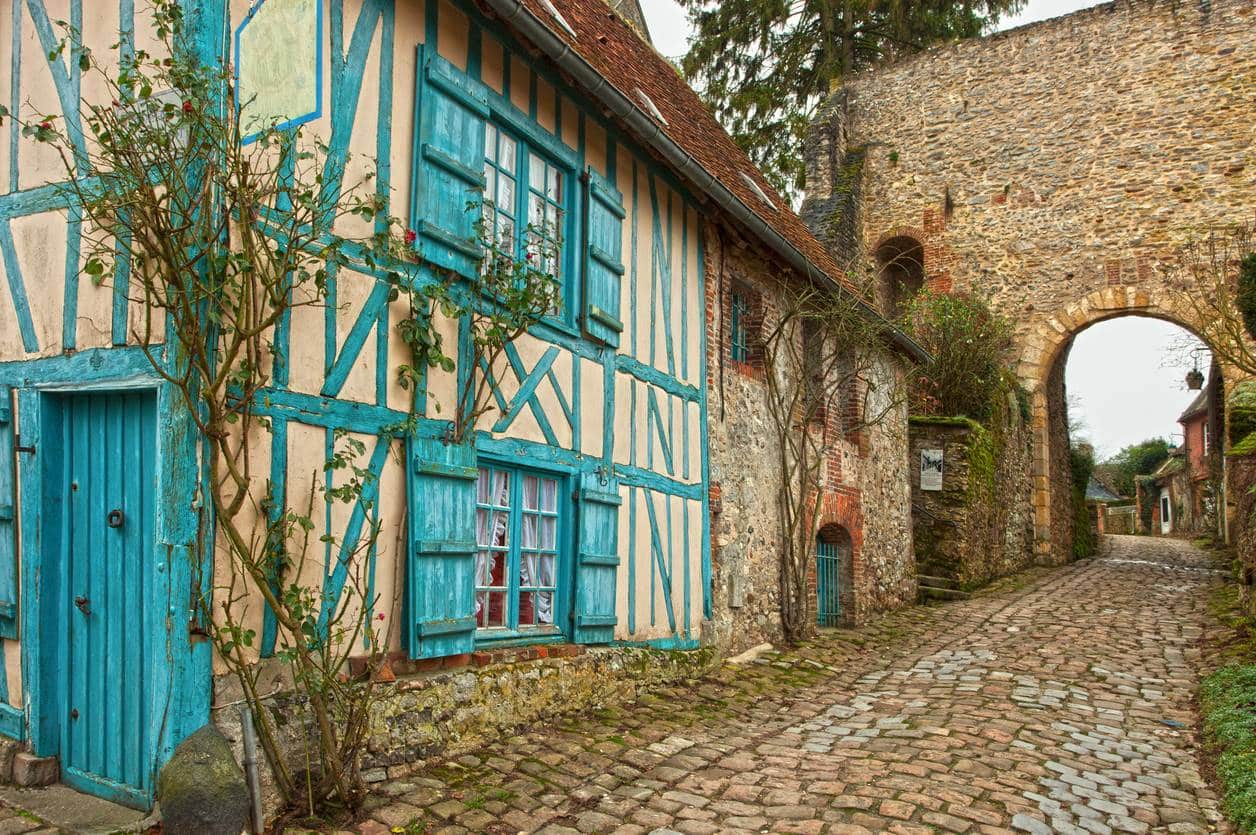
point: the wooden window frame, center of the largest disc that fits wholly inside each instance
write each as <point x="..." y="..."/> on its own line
<point x="525" y="149"/>
<point x="514" y="552"/>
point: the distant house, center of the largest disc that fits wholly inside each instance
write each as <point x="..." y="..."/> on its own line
<point x="1202" y="423"/>
<point x="1098" y="497"/>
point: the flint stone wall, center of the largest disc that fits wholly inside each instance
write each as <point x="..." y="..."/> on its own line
<point x="465" y="701"/>
<point x="865" y="484"/>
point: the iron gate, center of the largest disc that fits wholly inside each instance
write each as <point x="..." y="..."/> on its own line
<point x="828" y="583"/>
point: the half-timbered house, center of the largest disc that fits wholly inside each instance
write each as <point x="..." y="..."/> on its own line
<point x="583" y="514"/>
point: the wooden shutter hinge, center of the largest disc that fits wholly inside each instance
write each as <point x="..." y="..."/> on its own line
<point x="19" y="448"/>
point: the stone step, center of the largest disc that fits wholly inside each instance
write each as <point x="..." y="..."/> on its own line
<point x="937" y="582"/>
<point x="932" y="593"/>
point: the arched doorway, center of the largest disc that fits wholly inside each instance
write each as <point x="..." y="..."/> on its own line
<point x="833" y="558"/>
<point x="900" y="273"/>
<point x="1045" y="352"/>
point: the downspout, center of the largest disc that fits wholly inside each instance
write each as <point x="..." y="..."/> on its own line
<point x="514" y="14"/>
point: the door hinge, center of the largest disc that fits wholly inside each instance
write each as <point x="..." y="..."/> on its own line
<point x="18" y="446"/>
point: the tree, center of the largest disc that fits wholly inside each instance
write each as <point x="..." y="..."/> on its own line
<point x="968" y="346"/>
<point x="827" y="379"/>
<point x="1218" y="276"/>
<point x="1119" y="472"/>
<point x="764" y="65"/>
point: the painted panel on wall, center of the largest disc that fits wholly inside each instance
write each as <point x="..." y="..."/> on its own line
<point x="279" y="65"/>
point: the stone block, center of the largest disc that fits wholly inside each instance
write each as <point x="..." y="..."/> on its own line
<point x="8" y="750"/>
<point x="29" y="770"/>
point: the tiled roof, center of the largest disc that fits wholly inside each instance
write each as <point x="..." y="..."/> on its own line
<point x="1198" y="406"/>
<point x="632" y="67"/>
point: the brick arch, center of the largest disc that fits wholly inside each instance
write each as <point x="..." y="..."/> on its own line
<point x="841" y="508"/>
<point x="901" y="232"/>
<point x="1044" y="345"/>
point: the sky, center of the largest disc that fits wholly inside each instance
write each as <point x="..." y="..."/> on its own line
<point x="1126" y="381"/>
<point x="1125" y="377"/>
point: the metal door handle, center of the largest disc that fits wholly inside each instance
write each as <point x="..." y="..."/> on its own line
<point x="82" y="603"/>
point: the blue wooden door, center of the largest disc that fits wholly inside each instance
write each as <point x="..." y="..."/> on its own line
<point x="828" y="583"/>
<point x="110" y="597"/>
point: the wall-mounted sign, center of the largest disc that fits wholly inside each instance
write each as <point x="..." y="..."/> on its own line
<point x="930" y="469"/>
<point x="278" y="64"/>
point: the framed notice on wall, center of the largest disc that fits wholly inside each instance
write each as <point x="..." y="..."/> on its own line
<point x="930" y="469"/>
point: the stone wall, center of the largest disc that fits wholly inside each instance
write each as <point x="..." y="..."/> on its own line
<point x="977" y="528"/>
<point x="1053" y="169"/>
<point x="865" y="485"/>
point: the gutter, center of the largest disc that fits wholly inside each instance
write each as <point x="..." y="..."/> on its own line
<point x="514" y="14"/>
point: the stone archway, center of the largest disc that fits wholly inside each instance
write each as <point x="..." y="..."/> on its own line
<point x="1043" y="355"/>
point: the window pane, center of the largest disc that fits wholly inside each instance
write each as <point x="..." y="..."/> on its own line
<point x="549" y="495"/>
<point x="530" y="492"/>
<point x="546" y="577"/>
<point x="506" y="152"/>
<point x="536" y="172"/>
<point x="527" y="609"/>
<point x="529" y="565"/>
<point x="545" y="607"/>
<point x="496" y="609"/>
<point x="549" y="528"/>
<point x="505" y="194"/>
<point x="505" y="236"/>
<point x="527" y="536"/>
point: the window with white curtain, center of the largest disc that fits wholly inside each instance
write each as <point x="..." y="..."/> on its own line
<point x="518" y="527"/>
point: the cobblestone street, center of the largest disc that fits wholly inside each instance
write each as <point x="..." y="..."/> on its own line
<point x="1063" y="704"/>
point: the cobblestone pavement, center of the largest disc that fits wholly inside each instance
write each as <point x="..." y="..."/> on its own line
<point x="1062" y="704"/>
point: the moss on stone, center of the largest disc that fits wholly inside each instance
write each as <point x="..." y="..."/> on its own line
<point x="1246" y="446"/>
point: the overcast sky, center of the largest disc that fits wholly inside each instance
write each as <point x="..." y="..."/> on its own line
<point x="1124" y="379"/>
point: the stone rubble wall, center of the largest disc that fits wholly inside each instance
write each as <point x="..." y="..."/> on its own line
<point x="865" y="485"/>
<point x="1054" y="170"/>
<point x="978" y="527"/>
<point x="466" y="701"/>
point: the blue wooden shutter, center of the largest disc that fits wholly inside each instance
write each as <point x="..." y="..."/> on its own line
<point x="8" y="516"/>
<point x="603" y="262"/>
<point x="597" y="559"/>
<point x="440" y="577"/>
<point x="450" y="112"/>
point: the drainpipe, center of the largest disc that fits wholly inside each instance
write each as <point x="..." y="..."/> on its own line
<point x="250" y="768"/>
<point x="522" y="20"/>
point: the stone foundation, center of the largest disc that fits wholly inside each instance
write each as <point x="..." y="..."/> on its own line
<point x="468" y="700"/>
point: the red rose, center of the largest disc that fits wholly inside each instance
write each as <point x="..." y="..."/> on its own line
<point x="411" y="237"/>
<point x="46" y="125"/>
<point x="187" y="107"/>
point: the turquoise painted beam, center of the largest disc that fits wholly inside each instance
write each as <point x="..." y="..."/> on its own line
<point x="334" y="583"/>
<point x="656" y="548"/>
<point x="527" y="391"/>
<point x="17" y="289"/>
<point x="367" y="321"/>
